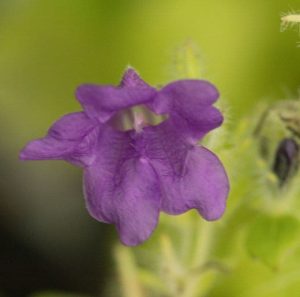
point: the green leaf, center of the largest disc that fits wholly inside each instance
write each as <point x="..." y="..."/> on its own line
<point x="269" y="238"/>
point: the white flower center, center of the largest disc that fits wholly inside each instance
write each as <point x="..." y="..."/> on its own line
<point x="135" y="118"/>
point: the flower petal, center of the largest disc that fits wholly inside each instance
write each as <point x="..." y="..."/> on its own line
<point x="189" y="104"/>
<point x="73" y="126"/>
<point x="122" y="189"/>
<point x="71" y="138"/>
<point x="101" y="102"/>
<point x="184" y="93"/>
<point x="190" y="176"/>
<point x="204" y="185"/>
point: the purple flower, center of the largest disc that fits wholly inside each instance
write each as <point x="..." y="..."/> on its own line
<point x="132" y="175"/>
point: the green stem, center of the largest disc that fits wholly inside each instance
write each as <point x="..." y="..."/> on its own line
<point x="172" y="269"/>
<point x="128" y="272"/>
<point x="203" y="248"/>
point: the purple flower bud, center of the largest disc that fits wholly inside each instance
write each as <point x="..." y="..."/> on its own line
<point x="286" y="161"/>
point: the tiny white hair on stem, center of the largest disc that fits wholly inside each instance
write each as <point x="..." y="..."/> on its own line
<point x="290" y="19"/>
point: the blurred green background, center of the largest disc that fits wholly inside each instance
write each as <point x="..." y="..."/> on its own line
<point x="48" y="48"/>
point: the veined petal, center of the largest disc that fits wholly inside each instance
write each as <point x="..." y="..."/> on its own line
<point x="122" y="188"/>
<point x="203" y="185"/>
<point x="71" y="138"/>
<point x="73" y="126"/>
<point x="189" y="104"/>
<point x="101" y="102"/>
<point x="190" y="176"/>
<point x="183" y="94"/>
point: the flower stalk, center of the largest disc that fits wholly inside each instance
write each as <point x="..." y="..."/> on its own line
<point x="128" y="272"/>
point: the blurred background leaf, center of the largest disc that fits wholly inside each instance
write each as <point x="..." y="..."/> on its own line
<point x="56" y="294"/>
<point x="271" y="237"/>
